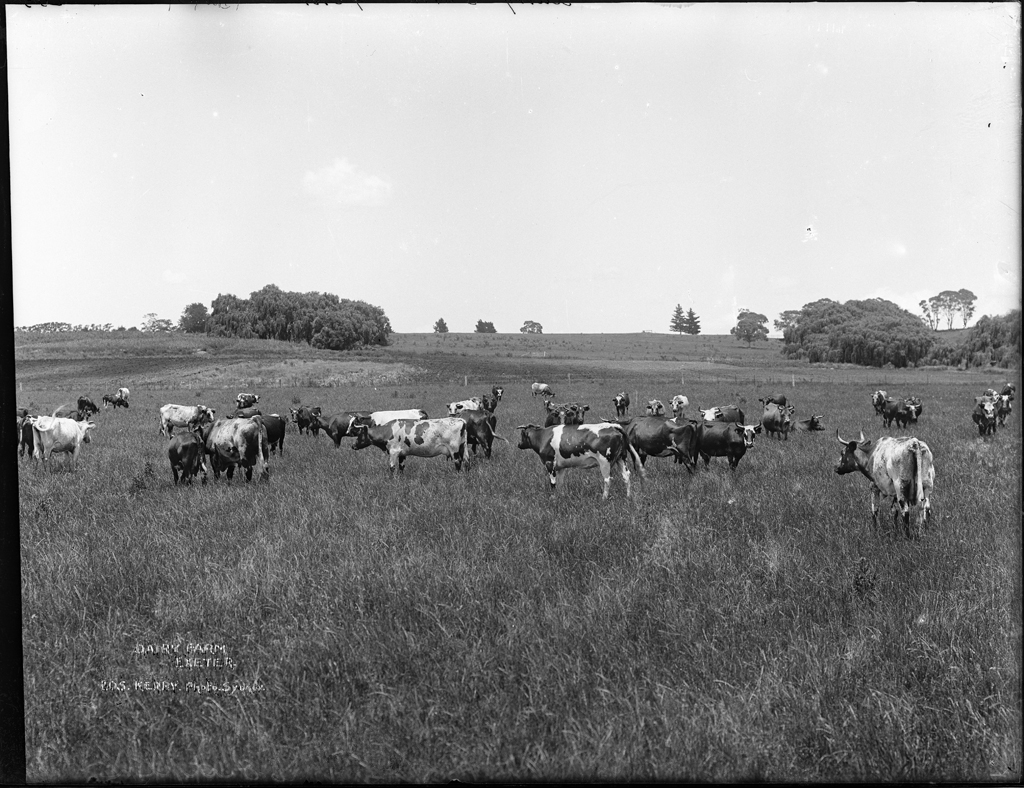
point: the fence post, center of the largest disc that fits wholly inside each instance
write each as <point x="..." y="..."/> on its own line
<point x="465" y="380"/>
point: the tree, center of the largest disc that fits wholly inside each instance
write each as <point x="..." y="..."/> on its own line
<point x="930" y="309"/>
<point x="786" y="320"/>
<point x="532" y="327"/>
<point x="874" y="333"/>
<point x="750" y="327"/>
<point x="440" y="327"/>
<point x="152" y="324"/>
<point x="678" y="319"/>
<point x="193" y="319"/>
<point x="691" y="323"/>
<point x="483" y="327"/>
<point x="967" y="299"/>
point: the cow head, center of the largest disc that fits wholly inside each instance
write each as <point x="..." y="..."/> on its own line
<point x="525" y="431"/>
<point x="454" y="408"/>
<point x="498" y="392"/>
<point x="850" y="461"/>
<point x="748" y="431"/>
<point x="489" y="403"/>
<point x="362" y="436"/>
<point x="548" y="406"/>
<point x="655" y="407"/>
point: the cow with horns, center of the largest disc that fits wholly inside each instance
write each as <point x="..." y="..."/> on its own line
<point x="898" y="468"/>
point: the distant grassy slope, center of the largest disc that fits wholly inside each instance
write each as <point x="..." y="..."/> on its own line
<point x="93" y="361"/>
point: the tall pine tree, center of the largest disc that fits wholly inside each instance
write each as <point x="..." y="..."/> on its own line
<point x="691" y="323"/>
<point x="678" y="323"/>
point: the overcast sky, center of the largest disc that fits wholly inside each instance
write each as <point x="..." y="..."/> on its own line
<point x="587" y="167"/>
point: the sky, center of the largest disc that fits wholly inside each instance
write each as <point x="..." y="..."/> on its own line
<point x="585" y="167"/>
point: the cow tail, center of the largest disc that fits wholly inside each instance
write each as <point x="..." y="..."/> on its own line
<point x="918" y="471"/>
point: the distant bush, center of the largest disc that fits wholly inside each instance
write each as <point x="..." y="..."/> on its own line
<point x="992" y="341"/>
<point x="872" y="333"/>
<point x="320" y="319"/>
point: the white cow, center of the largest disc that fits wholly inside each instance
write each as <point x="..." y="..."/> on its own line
<point x="379" y="417"/>
<point x="473" y="403"/>
<point x="189" y="416"/>
<point x="678" y="403"/>
<point x="53" y="434"/>
<point x="122" y="393"/>
<point x="238" y="441"/>
<point x="542" y="388"/>
<point x="898" y="468"/>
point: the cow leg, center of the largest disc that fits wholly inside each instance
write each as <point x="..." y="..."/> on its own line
<point x="626" y="477"/>
<point x="248" y="473"/>
<point x="875" y="496"/>
<point x="606" y="474"/>
<point x="174" y="470"/>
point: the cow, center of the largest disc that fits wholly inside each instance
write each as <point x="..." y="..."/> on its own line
<point x="564" y="446"/>
<point x="122" y="394"/>
<point x="489" y="402"/>
<point x="655" y="407"/>
<point x="187" y="454"/>
<point x="497" y="392"/>
<point x="246" y="400"/>
<point x="110" y="399"/>
<point x="1009" y="390"/>
<point x="542" y="388"/>
<point x="730" y="413"/>
<point x="245" y="413"/>
<point x="231" y="442"/>
<point x="726" y="439"/>
<point x="621" y="403"/>
<point x="1003" y="408"/>
<point x="896" y="410"/>
<point x="567" y="413"/>
<point x="473" y="403"/>
<point x="86" y="406"/>
<point x="275" y="425"/>
<point x="188" y="416"/>
<point x="898" y="468"/>
<point x="303" y="417"/>
<point x="379" y="417"/>
<point x="914" y="408"/>
<point x="659" y="436"/>
<point x="54" y="434"/>
<point x="777" y="420"/>
<point x="340" y="425"/>
<point x="401" y="438"/>
<point x="26" y="439"/>
<point x="812" y="424"/>
<point x="778" y="399"/>
<point x="678" y="403"/>
<point x="984" y="416"/>
<point x="68" y="412"/>
<point x="878" y="400"/>
<point x="481" y="431"/>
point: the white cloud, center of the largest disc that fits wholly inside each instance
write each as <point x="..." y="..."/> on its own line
<point x="343" y="183"/>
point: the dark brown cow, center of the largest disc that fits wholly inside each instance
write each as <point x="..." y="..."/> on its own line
<point x="660" y="436"/>
<point x="812" y="424"/>
<point x="778" y="399"/>
<point x="777" y="420"/>
<point x="245" y="413"/>
<point x="275" y="425"/>
<point x="86" y="406"/>
<point x="480" y="429"/>
<point x="726" y="439"/>
<point x="566" y="413"/>
<point x="187" y="455"/>
<point x="728" y="413"/>
<point x="231" y="442"/>
<point x="303" y="418"/>
<point x="984" y="416"/>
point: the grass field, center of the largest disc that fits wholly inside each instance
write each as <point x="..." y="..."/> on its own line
<point x="442" y="625"/>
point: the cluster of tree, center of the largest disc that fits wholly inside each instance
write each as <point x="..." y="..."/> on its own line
<point x="750" y="327"/>
<point x="320" y="319"/>
<point x="55" y="327"/>
<point x="874" y="333"/>
<point x="991" y="341"/>
<point x="946" y="306"/>
<point x="532" y="327"/>
<point x="687" y="323"/>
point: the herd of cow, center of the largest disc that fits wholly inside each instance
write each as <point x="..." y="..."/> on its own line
<point x="900" y="468"/>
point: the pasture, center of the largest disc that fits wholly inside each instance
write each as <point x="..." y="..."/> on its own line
<point x="360" y="627"/>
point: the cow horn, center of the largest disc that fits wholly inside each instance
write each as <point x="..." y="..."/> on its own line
<point x="861" y="438"/>
<point x="845" y="443"/>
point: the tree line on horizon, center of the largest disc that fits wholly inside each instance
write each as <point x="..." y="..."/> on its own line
<point x="871" y="332"/>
